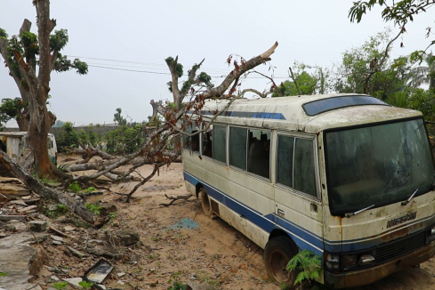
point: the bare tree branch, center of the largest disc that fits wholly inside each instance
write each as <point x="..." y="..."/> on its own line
<point x="25" y="26"/>
<point x="294" y="80"/>
<point x="218" y="91"/>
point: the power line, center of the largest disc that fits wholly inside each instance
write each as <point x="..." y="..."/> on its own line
<point x="132" y="70"/>
<point x="126" y="67"/>
<point x="161" y="73"/>
<point x="143" y="63"/>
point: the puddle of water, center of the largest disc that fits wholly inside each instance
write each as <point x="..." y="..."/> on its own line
<point x="184" y="223"/>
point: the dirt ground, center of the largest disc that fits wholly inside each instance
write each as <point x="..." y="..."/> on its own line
<point x="198" y="249"/>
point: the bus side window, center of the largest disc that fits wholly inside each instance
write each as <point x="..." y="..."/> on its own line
<point x="284" y="169"/>
<point x="238" y="137"/>
<point x="259" y="152"/>
<point x="191" y="142"/>
<point x="305" y="179"/>
<point x="207" y="138"/>
<point x="219" y="147"/>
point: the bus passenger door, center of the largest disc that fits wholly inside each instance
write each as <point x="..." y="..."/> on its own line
<point x="298" y="209"/>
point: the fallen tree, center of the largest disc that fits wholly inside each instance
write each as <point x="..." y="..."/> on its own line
<point x="154" y="150"/>
<point x="76" y="206"/>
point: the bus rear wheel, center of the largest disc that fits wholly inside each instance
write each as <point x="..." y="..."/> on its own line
<point x="205" y="203"/>
<point x="277" y="254"/>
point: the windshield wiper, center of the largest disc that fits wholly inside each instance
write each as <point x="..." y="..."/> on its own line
<point x="405" y="202"/>
<point x="349" y="214"/>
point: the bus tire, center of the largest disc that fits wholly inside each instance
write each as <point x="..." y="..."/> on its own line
<point x="277" y="254"/>
<point x="205" y="203"/>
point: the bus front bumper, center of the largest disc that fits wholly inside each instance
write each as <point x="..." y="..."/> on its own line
<point x="367" y="276"/>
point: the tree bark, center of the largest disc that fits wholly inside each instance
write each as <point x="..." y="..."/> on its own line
<point x="40" y="118"/>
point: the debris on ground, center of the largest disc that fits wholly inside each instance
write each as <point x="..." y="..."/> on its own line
<point x="149" y="245"/>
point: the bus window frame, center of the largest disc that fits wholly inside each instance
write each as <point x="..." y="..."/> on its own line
<point x="228" y="131"/>
<point x="185" y="137"/>
<point x="296" y="136"/>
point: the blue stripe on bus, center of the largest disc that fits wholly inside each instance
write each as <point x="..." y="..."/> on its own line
<point x="302" y="238"/>
<point x="259" y="115"/>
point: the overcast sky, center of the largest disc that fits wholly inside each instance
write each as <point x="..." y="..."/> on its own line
<point x="132" y="38"/>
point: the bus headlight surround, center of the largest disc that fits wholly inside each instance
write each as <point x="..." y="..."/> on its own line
<point x="349" y="261"/>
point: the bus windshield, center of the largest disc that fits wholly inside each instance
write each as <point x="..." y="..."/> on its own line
<point x="377" y="165"/>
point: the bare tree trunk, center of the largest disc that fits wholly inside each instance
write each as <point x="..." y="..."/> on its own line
<point x="40" y="118"/>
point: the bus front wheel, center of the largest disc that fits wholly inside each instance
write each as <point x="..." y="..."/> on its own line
<point x="205" y="203"/>
<point x="277" y="254"/>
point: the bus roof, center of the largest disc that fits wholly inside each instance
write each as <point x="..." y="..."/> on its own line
<point x="310" y="114"/>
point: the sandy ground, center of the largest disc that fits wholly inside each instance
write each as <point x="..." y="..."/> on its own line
<point x="208" y="251"/>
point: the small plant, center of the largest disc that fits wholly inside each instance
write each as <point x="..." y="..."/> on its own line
<point x="74" y="187"/>
<point x="178" y="286"/>
<point x="112" y="215"/>
<point x="59" y="209"/>
<point x="86" y="284"/>
<point x="60" y="285"/>
<point x="155" y="239"/>
<point x="89" y="189"/>
<point x="150" y="257"/>
<point x="45" y="179"/>
<point x="308" y="264"/>
<point x="93" y="208"/>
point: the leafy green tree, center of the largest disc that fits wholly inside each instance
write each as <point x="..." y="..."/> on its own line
<point x="117" y="117"/>
<point x="423" y="74"/>
<point x="398" y="12"/>
<point x="202" y="79"/>
<point x="124" y="139"/>
<point x="11" y="109"/>
<point x="368" y="69"/>
<point x="67" y="137"/>
<point x="307" y="85"/>
<point x="83" y="136"/>
<point x="306" y="80"/>
<point x="94" y="138"/>
<point x="423" y="100"/>
<point x="30" y="59"/>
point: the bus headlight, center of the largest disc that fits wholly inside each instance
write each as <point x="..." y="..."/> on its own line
<point x="366" y="259"/>
<point x="333" y="262"/>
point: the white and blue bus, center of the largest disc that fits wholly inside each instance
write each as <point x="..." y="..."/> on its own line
<point x="345" y="176"/>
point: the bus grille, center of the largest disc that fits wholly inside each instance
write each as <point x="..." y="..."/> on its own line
<point x="401" y="247"/>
